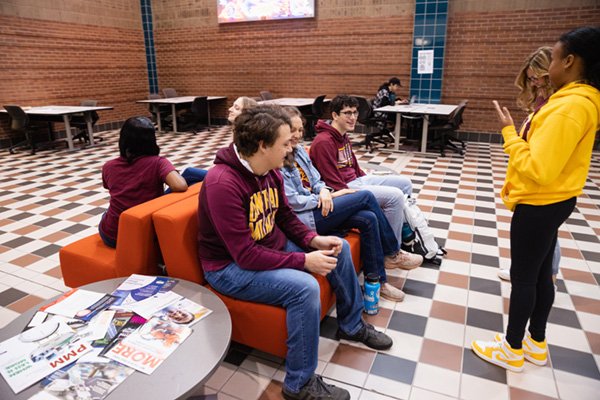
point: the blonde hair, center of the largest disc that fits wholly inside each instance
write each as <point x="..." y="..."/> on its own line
<point x="248" y="102"/>
<point x="538" y="62"/>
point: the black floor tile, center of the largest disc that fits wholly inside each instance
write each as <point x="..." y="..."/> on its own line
<point x="485" y="320"/>
<point x="394" y="368"/>
<point x="573" y="361"/>
<point x="408" y="323"/>
<point x="485" y="286"/>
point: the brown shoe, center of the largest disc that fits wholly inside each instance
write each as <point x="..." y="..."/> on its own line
<point x="403" y="260"/>
<point x="390" y="292"/>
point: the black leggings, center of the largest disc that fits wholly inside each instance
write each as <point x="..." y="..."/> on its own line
<point x="533" y="233"/>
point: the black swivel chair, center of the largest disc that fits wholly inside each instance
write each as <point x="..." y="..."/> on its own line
<point x="443" y="132"/>
<point x="20" y="123"/>
<point x="316" y="111"/>
<point x="78" y="121"/>
<point x="372" y="124"/>
<point x="266" y="95"/>
<point x="166" y="119"/>
<point x="198" y="118"/>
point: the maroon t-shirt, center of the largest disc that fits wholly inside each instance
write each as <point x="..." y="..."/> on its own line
<point x="130" y="185"/>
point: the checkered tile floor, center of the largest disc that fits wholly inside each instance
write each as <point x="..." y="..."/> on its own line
<point x="55" y="197"/>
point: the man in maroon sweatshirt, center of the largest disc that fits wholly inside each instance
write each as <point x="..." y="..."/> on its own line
<point x="331" y="153"/>
<point x="253" y="247"/>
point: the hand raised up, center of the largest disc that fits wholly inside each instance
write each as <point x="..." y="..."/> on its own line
<point x="503" y="115"/>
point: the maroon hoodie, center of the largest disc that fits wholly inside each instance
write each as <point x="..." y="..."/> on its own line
<point x="331" y="153"/>
<point x="246" y="219"/>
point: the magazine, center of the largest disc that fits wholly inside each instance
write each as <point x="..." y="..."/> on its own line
<point x="140" y="287"/>
<point x="79" y="303"/>
<point x="183" y="312"/>
<point x="90" y="378"/>
<point x="31" y="355"/>
<point x="146" y="348"/>
<point x="130" y="326"/>
<point x="119" y="319"/>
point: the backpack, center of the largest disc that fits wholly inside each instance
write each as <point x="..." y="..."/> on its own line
<point x="424" y="241"/>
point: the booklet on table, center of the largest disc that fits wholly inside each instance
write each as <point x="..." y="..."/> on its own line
<point x="37" y="352"/>
<point x="146" y="348"/>
<point x="140" y="287"/>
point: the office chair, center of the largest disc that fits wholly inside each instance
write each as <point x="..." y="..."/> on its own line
<point x="169" y="92"/>
<point x="166" y="119"/>
<point x="372" y="125"/>
<point x="198" y="117"/>
<point x="78" y="121"/>
<point x="316" y="111"/>
<point x="20" y="123"/>
<point x="266" y="95"/>
<point x="443" y="131"/>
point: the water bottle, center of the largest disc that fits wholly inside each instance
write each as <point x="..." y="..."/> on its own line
<point x="408" y="235"/>
<point x="371" y="295"/>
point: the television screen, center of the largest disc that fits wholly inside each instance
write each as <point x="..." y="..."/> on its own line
<point x="259" y="10"/>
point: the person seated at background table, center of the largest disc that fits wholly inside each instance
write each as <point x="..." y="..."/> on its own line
<point x="386" y="96"/>
<point x="253" y="247"/>
<point x="331" y="153"/>
<point x="136" y="176"/>
<point x="240" y="104"/>
<point x="333" y="212"/>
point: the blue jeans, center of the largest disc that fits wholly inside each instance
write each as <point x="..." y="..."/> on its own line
<point x="299" y="293"/>
<point x="389" y="191"/>
<point x="191" y="176"/>
<point x="360" y="210"/>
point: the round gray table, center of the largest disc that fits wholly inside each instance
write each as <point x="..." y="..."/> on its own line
<point x="181" y="374"/>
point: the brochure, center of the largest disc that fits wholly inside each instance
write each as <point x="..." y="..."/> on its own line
<point x="146" y="348"/>
<point x="118" y="321"/>
<point x="140" y="287"/>
<point x="150" y="306"/>
<point x="79" y="303"/>
<point x="183" y="312"/>
<point x="130" y="326"/>
<point x="37" y="352"/>
<point x="91" y="378"/>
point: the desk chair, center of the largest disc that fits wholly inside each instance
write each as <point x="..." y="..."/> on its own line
<point x="20" y="124"/>
<point x="169" y="92"/>
<point x="166" y="119"/>
<point x="198" y="117"/>
<point x="442" y="132"/>
<point x="78" y="121"/>
<point x="266" y="95"/>
<point x="316" y="111"/>
<point x="372" y="125"/>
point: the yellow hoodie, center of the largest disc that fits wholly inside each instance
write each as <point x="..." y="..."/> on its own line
<point x="552" y="165"/>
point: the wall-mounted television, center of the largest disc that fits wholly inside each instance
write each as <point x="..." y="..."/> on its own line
<point x="260" y="10"/>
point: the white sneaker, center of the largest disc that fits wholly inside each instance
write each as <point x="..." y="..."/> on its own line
<point x="499" y="353"/>
<point x="403" y="260"/>
<point x="389" y="292"/>
<point x="504" y="274"/>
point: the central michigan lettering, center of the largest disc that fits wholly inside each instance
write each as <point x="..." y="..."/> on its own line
<point x="263" y="207"/>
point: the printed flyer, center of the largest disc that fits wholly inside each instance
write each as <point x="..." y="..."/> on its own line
<point x="140" y="287"/>
<point x="37" y="352"/>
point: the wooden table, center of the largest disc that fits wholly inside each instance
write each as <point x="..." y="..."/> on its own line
<point x="291" y="101"/>
<point x="65" y="112"/>
<point x="417" y="109"/>
<point x="173" y="102"/>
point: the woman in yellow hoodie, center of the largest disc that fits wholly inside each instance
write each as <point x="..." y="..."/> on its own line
<point x="547" y="169"/>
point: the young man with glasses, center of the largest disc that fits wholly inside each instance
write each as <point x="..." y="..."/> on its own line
<point x="331" y="152"/>
<point x="253" y="247"/>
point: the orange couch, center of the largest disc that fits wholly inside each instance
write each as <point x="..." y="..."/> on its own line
<point x="177" y="226"/>
<point x="90" y="260"/>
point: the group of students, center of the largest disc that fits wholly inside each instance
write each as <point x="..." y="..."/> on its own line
<point x="272" y="212"/>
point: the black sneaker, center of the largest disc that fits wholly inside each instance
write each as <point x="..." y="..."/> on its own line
<point x="316" y="389"/>
<point x="369" y="337"/>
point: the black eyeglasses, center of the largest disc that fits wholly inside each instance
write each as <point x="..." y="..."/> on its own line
<point x="349" y="113"/>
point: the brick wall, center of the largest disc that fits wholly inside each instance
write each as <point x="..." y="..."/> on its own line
<point x="60" y="52"/>
<point x="485" y="50"/>
<point x="57" y="61"/>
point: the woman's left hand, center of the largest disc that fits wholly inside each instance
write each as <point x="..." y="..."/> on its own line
<point x="503" y="115"/>
<point x="325" y="202"/>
